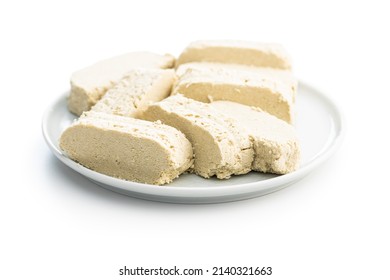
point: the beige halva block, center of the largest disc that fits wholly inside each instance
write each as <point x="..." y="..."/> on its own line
<point x="275" y="142"/>
<point x="236" y="52"/>
<point x="134" y="92"/>
<point x="91" y="83"/>
<point x="271" y="90"/>
<point x="220" y="147"/>
<point x="127" y="148"/>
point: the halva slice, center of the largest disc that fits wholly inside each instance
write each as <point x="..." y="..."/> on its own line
<point x="127" y="148"/>
<point x="266" y="91"/>
<point x="277" y="75"/>
<point x="220" y="147"/>
<point x="91" y="83"/>
<point x="237" y="52"/>
<point x="135" y="91"/>
<point x="275" y="142"/>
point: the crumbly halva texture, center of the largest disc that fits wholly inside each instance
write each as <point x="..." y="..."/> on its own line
<point x="275" y="142"/>
<point x="91" y="83"/>
<point x="128" y="148"/>
<point x="220" y="147"/>
<point x="266" y="89"/>
<point x="135" y="91"/>
<point x="236" y="52"/>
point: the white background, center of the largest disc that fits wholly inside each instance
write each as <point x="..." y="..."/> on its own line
<point x="332" y="225"/>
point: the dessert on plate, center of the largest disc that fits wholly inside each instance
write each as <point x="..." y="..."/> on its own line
<point x="227" y="108"/>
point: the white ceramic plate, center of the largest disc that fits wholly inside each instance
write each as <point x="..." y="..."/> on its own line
<point x="320" y="129"/>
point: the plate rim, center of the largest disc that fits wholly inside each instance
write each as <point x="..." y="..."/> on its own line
<point x="204" y="191"/>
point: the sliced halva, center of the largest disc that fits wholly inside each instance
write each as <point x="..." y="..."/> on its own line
<point x="135" y="91"/>
<point x="275" y="142"/>
<point x="91" y="83"/>
<point x="236" y="52"/>
<point x="127" y="148"/>
<point x="272" y="91"/>
<point x="220" y="146"/>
